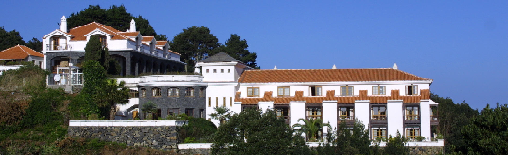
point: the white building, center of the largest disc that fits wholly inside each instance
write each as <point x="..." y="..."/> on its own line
<point x="136" y="54"/>
<point x="385" y="100"/>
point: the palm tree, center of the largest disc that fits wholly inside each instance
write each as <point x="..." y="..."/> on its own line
<point x="112" y="94"/>
<point x="221" y="114"/>
<point x="311" y="127"/>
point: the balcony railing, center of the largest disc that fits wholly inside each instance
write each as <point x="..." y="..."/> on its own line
<point x="347" y="118"/>
<point x="412" y="117"/>
<point x="58" y="47"/>
<point x="378" y="117"/>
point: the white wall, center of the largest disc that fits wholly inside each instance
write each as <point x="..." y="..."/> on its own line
<point x="330" y="114"/>
<point x="297" y="112"/>
<point x="425" y="118"/>
<point x="218" y="75"/>
<point x="362" y="112"/>
<point x="265" y="106"/>
<point x="216" y="92"/>
<point x="395" y="117"/>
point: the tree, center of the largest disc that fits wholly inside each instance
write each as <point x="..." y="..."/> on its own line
<point x="35" y="44"/>
<point x="116" y="17"/>
<point x="194" y="43"/>
<point x="452" y="118"/>
<point x="352" y="141"/>
<point x="221" y="114"/>
<point x="487" y="133"/>
<point x="197" y="130"/>
<point x="149" y="107"/>
<point x="237" y="48"/>
<point x="95" y="51"/>
<point x="396" y="145"/>
<point x="311" y="127"/>
<point x="113" y="94"/>
<point x="9" y="39"/>
<point x="251" y="130"/>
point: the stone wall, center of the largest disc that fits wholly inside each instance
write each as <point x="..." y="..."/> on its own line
<point x="158" y="137"/>
<point x="426" y="150"/>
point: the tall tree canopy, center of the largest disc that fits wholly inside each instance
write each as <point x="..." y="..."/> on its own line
<point x="194" y="43"/>
<point x="116" y="17"/>
<point x="35" y="44"/>
<point x="95" y="51"/>
<point x="487" y="133"/>
<point x="237" y="48"/>
<point x="10" y="39"/>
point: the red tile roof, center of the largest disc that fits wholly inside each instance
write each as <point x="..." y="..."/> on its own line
<point x="147" y="38"/>
<point x="326" y="75"/>
<point x="18" y="52"/>
<point x="80" y="31"/>
<point x="161" y="43"/>
<point x="330" y="96"/>
<point x="129" y="33"/>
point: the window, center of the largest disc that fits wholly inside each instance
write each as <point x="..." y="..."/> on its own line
<point x="346" y="113"/>
<point x="224" y="101"/>
<point x="189" y="92"/>
<point x="252" y="91"/>
<point x="412" y="90"/>
<point x="207" y="70"/>
<point x="55" y="43"/>
<point x="230" y="101"/>
<point x="346" y="90"/>
<point x="143" y="92"/>
<point x="209" y="102"/>
<point x="133" y="93"/>
<point x="433" y="113"/>
<point x="216" y="101"/>
<point x="316" y="91"/>
<point x="412" y="113"/>
<point x="104" y="41"/>
<point x="214" y="70"/>
<point x="201" y="92"/>
<point x="379" y="132"/>
<point x="173" y="92"/>
<point x="378" y="112"/>
<point x="229" y="70"/>
<point x="283" y="113"/>
<point x="313" y="112"/>
<point x="201" y="113"/>
<point x="378" y="90"/>
<point x="189" y="112"/>
<point x="173" y="111"/>
<point x="221" y="70"/>
<point x="412" y="132"/>
<point x="156" y="92"/>
<point x="283" y="91"/>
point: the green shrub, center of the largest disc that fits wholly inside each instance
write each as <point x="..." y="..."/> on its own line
<point x="197" y="130"/>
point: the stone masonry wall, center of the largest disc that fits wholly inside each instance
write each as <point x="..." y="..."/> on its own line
<point x="158" y="137"/>
<point x="426" y="150"/>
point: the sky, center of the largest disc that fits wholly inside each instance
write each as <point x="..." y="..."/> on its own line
<point x="461" y="45"/>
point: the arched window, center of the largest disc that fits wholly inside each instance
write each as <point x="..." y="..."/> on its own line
<point x="143" y="92"/>
<point x="189" y="92"/>
<point x="156" y="92"/>
<point x="173" y="92"/>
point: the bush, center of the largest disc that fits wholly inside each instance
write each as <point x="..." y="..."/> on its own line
<point x="197" y="130"/>
<point x="43" y="109"/>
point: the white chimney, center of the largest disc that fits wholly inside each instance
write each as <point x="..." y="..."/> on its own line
<point x="275" y="67"/>
<point x="334" y="67"/>
<point x="395" y="66"/>
<point x="63" y="24"/>
<point x="132" y="27"/>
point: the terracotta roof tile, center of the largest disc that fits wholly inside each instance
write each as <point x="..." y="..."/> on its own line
<point x="326" y="75"/>
<point x="18" y="52"/>
<point x="161" y="43"/>
<point x="80" y="31"/>
<point x="147" y="38"/>
<point x="130" y="34"/>
<point x="330" y="96"/>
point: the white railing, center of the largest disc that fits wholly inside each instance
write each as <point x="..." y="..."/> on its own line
<point x="106" y="123"/>
<point x="66" y="79"/>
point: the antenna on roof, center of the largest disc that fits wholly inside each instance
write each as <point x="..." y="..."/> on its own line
<point x="275" y="67"/>
<point x="395" y="66"/>
<point x="334" y="67"/>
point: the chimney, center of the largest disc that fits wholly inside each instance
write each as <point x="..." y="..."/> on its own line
<point x="63" y="24"/>
<point x="334" y="67"/>
<point x="395" y="66"/>
<point x="132" y="27"/>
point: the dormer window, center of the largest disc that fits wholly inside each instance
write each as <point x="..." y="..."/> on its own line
<point x="412" y="90"/>
<point x="104" y="41"/>
<point x="55" y="43"/>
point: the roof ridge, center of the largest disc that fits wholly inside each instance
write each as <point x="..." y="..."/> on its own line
<point x="9" y="48"/>
<point x="101" y="25"/>
<point x="314" y="69"/>
<point x="410" y="74"/>
<point x="23" y="49"/>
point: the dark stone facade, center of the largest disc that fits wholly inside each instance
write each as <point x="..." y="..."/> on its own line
<point x="426" y="150"/>
<point x="166" y="103"/>
<point x="158" y="137"/>
<point x="133" y="63"/>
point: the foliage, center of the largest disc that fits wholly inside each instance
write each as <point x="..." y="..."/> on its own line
<point x="452" y="118"/>
<point x="35" y="44"/>
<point x="311" y="127"/>
<point x="194" y="44"/>
<point x="116" y="17"/>
<point x="95" y="51"/>
<point x="247" y="132"/>
<point x="396" y="145"/>
<point x="221" y="114"/>
<point x="9" y="39"/>
<point x="487" y="133"/>
<point x="27" y="78"/>
<point x="43" y="109"/>
<point x="12" y="107"/>
<point x="352" y="141"/>
<point x="113" y="93"/>
<point x="149" y="107"/>
<point x="197" y="130"/>
<point x="237" y="48"/>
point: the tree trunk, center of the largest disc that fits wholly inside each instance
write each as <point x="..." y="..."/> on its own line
<point x="112" y="113"/>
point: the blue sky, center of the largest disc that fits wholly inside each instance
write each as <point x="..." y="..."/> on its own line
<point x="462" y="45"/>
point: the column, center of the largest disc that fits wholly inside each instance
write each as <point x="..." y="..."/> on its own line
<point x="297" y="111"/>
<point x="362" y="112"/>
<point x="330" y="115"/>
<point x="265" y="106"/>
<point x="136" y="69"/>
<point x="395" y="117"/>
<point x="425" y="119"/>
